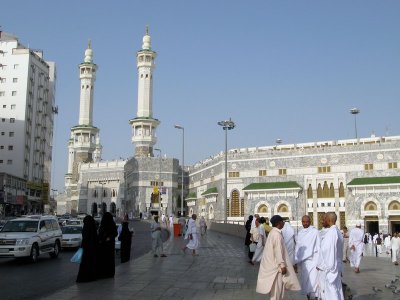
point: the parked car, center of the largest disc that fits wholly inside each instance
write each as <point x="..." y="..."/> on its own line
<point x="30" y="237"/>
<point x="71" y="236"/>
<point x="77" y="222"/>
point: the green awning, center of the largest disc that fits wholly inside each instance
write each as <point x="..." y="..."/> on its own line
<point x="212" y="190"/>
<point x="375" y="180"/>
<point x="192" y="195"/>
<point x="273" y="186"/>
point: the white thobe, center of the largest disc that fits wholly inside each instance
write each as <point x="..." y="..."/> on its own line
<point x="395" y="244"/>
<point x="330" y="264"/>
<point x="356" y="239"/>
<point x="192" y="229"/>
<point x="306" y="258"/>
<point x="387" y="243"/>
<point x="261" y="238"/>
<point x="288" y="237"/>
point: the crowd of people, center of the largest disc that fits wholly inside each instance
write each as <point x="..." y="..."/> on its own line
<point x="98" y="245"/>
<point x="384" y="243"/>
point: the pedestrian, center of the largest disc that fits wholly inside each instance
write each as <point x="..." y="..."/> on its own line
<point x="203" y="226"/>
<point x="288" y="237"/>
<point x="182" y="223"/>
<point x="192" y="235"/>
<point x="379" y="244"/>
<point x="247" y="240"/>
<point x="276" y="271"/>
<point x="330" y="260"/>
<point x="345" y="233"/>
<point x="387" y="244"/>
<point x="140" y="216"/>
<point x="126" y="242"/>
<point x="356" y="245"/>
<point x="90" y="243"/>
<point x="306" y="257"/>
<point x="164" y="220"/>
<point x="259" y="238"/>
<point x="157" y="243"/>
<point x="171" y="224"/>
<point x="395" y="246"/>
<point x="107" y="234"/>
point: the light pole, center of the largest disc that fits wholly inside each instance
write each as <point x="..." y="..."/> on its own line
<point x="355" y="111"/>
<point x="183" y="161"/>
<point x="226" y="125"/>
<point x="159" y="179"/>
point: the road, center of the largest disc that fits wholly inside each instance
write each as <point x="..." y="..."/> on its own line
<point x="20" y="279"/>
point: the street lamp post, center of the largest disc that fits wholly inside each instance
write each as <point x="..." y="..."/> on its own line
<point x="355" y="111"/>
<point x="183" y="161"/>
<point x="226" y="125"/>
<point x="159" y="179"/>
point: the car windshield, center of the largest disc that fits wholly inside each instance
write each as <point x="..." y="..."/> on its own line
<point x="71" y="230"/>
<point x="20" y="226"/>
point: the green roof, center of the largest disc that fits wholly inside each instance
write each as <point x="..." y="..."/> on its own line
<point x="375" y="180"/>
<point x="212" y="190"/>
<point x="192" y="195"/>
<point x="272" y="185"/>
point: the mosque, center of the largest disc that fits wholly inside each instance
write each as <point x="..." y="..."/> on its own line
<point x="358" y="178"/>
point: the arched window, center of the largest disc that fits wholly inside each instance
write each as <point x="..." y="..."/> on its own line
<point x="325" y="190"/>
<point x="263" y="209"/>
<point x="94" y="209"/>
<point x="95" y="193"/>
<point x="341" y="190"/>
<point x="331" y="191"/>
<point x="114" y="193"/>
<point x="370" y="206"/>
<point x="283" y="208"/>
<point x="104" y="193"/>
<point x="235" y="205"/>
<point x="394" y="205"/>
<point x="103" y="208"/>
<point x="309" y="192"/>
<point x="319" y="191"/>
<point x="113" y="208"/>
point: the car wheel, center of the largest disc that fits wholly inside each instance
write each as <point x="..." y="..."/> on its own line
<point x="34" y="253"/>
<point x="56" y="251"/>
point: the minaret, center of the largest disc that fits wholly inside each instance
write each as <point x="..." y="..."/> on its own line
<point x="84" y="143"/>
<point x="144" y="126"/>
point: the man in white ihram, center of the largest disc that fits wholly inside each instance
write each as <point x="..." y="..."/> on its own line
<point x="306" y="257"/>
<point x="288" y="237"/>
<point x="330" y="260"/>
<point x="193" y="235"/>
<point x="356" y="245"/>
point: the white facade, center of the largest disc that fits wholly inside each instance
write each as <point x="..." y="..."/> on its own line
<point x="27" y="107"/>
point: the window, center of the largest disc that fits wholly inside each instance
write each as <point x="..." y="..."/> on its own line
<point x="12" y="106"/>
<point x="2" y="80"/>
<point x="12" y="120"/>
<point x="4" y="106"/>
<point x="16" y="66"/>
<point x="234" y="174"/>
<point x="9" y="162"/>
<point x="1" y="147"/>
<point x="326" y="169"/>
<point x="14" y="93"/>
<point x="10" y="147"/>
<point x="392" y="165"/>
<point x="282" y="171"/>
<point x="11" y="134"/>
<point x="2" y="133"/>
<point x="1" y="161"/>
<point x="15" y="80"/>
<point x="309" y="192"/>
<point x="3" y="119"/>
<point x="368" y="167"/>
<point x="2" y="93"/>
<point x="341" y="190"/>
<point x="262" y="173"/>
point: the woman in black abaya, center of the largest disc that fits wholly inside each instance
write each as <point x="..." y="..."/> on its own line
<point x="126" y="242"/>
<point x="87" y="268"/>
<point x="107" y="234"/>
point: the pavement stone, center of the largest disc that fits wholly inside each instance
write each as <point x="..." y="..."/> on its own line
<point x="221" y="271"/>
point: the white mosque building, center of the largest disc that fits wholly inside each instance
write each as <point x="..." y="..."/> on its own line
<point x="359" y="179"/>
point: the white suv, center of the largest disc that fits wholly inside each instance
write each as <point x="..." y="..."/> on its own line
<point x="30" y="236"/>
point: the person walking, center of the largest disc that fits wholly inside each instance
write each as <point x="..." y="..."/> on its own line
<point x="247" y="240"/>
<point x="203" y="226"/>
<point x="395" y="245"/>
<point x="192" y="235"/>
<point x="259" y="238"/>
<point x="90" y="242"/>
<point x="345" y="233"/>
<point x="182" y="223"/>
<point x="306" y="257"/>
<point x="107" y="234"/>
<point x="330" y="260"/>
<point x="387" y="244"/>
<point x="288" y="237"/>
<point x="356" y="246"/>
<point x="276" y="271"/>
<point x="126" y="242"/>
<point x="157" y="243"/>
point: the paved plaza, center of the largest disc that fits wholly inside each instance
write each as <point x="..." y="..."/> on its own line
<point x="221" y="271"/>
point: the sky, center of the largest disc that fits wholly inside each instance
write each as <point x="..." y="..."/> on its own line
<point x="288" y="70"/>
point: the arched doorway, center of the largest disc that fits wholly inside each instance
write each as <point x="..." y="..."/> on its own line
<point x="394" y="218"/>
<point x="94" y="209"/>
<point x="113" y="208"/>
<point x="371" y="222"/>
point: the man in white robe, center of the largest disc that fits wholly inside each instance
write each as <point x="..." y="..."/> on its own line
<point x="288" y="236"/>
<point x="193" y="235"/>
<point x="395" y="245"/>
<point x="330" y="260"/>
<point x="387" y="244"/>
<point x="259" y="237"/>
<point x="306" y="257"/>
<point x="276" y="273"/>
<point x="356" y="245"/>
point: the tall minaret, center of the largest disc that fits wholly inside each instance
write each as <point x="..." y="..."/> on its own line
<point x="84" y="143"/>
<point x="144" y="126"/>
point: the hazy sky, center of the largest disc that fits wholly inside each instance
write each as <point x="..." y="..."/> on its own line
<point x="280" y="69"/>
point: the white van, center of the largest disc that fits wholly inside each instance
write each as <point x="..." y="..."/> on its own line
<point x="30" y="237"/>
